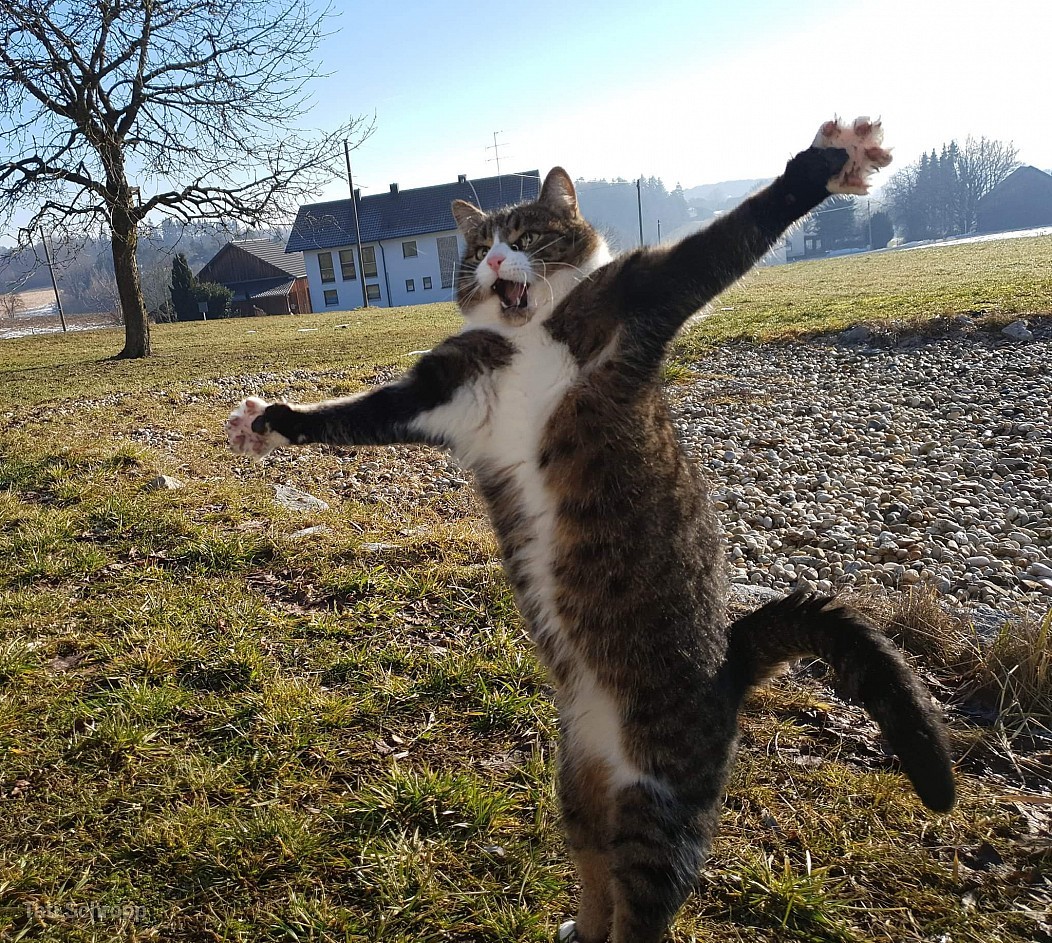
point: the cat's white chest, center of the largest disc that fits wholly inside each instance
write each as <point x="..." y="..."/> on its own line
<point x="522" y="399"/>
<point x="497" y="422"/>
<point x="496" y="426"/>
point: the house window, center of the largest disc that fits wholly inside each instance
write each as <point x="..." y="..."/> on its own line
<point x="325" y="265"/>
<point x="372" y="292"/>
<point x="447" y="259"/>
<point x="332" y="298"/>
<point x="369" y="262"/>
<point x="347" y="265"/>
<point x="409" y="286"/>
<point x="427" y="282"/>
<point x="409" y="249"/>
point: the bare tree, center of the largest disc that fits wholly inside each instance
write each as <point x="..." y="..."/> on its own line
<point x="938" y="195"/>
<point x="10" y="305"/>
<point x="111" y="110"/>
<point x="981" y="166"/>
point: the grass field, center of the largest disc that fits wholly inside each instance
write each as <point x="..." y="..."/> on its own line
<point x="212" y="728"/>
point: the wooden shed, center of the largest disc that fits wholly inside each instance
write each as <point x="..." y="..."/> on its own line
<point x="263" y="278"/>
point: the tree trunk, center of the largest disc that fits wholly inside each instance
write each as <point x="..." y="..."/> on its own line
<point x="124" y="240"/>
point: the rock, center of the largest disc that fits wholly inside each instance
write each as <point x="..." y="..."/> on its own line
<point x="855" y="335"/>
<point x="754" y="595"/>
<point x="1040" y="571"/>
<point x="311" y="531"/>
<point x="987" y="621"/>
<point x="165" y="483"/>
<point x="1018" y="331"/>
<point x="296" y="500"/>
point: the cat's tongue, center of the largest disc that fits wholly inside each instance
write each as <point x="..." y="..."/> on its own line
<point x="512" y="294"/>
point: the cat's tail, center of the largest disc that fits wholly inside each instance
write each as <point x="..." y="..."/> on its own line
<point x="869" y="669"/>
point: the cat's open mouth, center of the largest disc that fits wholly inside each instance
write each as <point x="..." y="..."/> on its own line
<point x="512" y="294"/>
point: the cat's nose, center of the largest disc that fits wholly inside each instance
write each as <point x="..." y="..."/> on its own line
<point x="493" y="260"/>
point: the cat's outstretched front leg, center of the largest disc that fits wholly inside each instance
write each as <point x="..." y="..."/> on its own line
<point x="668" y="285"/>
<point x="409" y="410"/>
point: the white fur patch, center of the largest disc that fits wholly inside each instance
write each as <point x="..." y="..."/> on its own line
<point x="498" y="422"/>
<point x="594" y="722"/>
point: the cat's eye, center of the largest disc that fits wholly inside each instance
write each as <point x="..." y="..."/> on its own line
<point x="481" y="252"/>
<point x="524" y="241"/>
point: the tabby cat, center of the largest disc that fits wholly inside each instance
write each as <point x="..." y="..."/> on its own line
<point x="552" y="396"/>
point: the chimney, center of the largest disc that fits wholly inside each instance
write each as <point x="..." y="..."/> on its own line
<point x="357" y="193"/>
<point x="394" y="187"/>
<point x="462" y="178"/>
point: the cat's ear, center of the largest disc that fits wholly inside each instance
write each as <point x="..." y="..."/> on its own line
<point x="558" y="192"/>
<point x="467" y="215"/>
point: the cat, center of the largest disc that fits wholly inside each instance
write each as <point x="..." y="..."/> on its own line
<point x="552" y="396"/>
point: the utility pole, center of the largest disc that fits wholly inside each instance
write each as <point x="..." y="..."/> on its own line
<point x="496" y="158"/>
<point x="639" y="208"/>
<point x="54" y="282"/>
<point x="357" y="227"/>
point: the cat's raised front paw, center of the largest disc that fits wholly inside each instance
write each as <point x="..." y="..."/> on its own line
<point x="862" y="140"/>
<point x="243" y="439"/>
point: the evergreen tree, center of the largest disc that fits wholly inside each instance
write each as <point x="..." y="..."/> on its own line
<point x="217" y="297"/>
<point x="938" y="195"/>
<point x="881" y="232"/>
<point x="954" y="193"/>
<point x="184" y="299"/>
<point x="836" y="225"/>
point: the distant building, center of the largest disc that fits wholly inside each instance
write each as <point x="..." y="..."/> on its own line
<point x="410" y="244"/>
<point x="1022" y="200"/>
<point x="262" y="276"/>
<point x="799" y="244"/>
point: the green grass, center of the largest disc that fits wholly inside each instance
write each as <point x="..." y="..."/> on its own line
<point x="903" y="289"/>
<point x="213" y="730"/>
<point x="50" y="367"/>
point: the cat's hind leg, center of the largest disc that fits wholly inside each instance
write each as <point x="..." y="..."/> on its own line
<point x="584" y="794"/>
<point x="658" y="845"/>
<point x="862" y="139"/>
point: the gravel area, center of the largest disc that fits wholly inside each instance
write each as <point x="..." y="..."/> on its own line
<point x="855" y="461"/>
<point x="873" y="460"/>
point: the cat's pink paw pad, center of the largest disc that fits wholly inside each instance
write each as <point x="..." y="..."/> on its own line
<point x="240" y="436"/>
<point x="863" y="140"/>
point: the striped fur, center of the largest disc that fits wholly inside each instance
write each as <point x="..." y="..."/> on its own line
<point x="552" y="395"/>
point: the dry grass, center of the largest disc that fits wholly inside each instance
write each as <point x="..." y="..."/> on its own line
<point x="1008" y="668"/>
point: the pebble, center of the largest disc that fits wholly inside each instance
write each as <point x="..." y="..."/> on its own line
<point x="165" y="483"/>
<point x="296" y="500"/>
<point x="315" y="531"/>
<point x="1017" y="331"/>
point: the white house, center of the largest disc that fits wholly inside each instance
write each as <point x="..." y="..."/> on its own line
<point x="410" y="245"/>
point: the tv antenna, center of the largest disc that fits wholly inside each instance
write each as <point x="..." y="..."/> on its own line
<point x="497" y="145"/>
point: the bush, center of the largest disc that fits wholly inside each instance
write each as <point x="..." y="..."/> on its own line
<point x="217" y="297"/>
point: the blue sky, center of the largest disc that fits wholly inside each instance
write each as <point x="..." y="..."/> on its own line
<point x="693" y="92"/>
